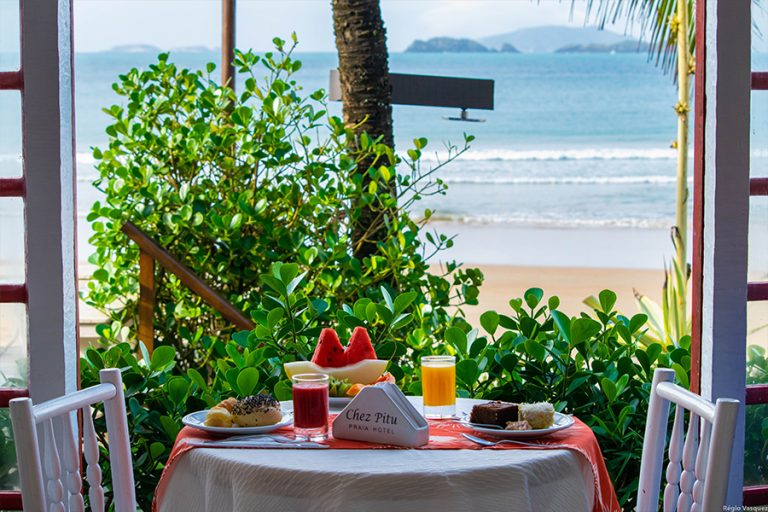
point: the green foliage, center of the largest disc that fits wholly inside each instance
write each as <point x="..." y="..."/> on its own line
<point x="159" y="393"/>
<point x="230" y="183"/>
<point x="756" y="441"/>
<point x="591" y="365"/>
<point x="588" y="365"/>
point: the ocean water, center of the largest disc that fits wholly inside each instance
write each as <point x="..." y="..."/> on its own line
<point x="574" y="141"/>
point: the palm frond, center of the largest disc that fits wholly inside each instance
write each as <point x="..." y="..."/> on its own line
<point x="655" y="18"/>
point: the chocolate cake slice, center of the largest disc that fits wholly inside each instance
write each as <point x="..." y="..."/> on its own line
<point x="494" y="413"/>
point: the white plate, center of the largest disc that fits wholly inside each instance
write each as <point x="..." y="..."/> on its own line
<point x="561" y="421"/>
<point x="197" y="420"/>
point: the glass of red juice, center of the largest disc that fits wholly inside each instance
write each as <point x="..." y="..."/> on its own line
<point x="310" y="406"/>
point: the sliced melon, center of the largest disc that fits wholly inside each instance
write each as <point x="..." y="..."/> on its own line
<point x="364" y="372"/>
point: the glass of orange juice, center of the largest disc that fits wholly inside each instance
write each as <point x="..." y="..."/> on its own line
<point x="438" y="384"/>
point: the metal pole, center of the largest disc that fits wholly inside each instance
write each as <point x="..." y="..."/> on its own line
<point x="227" y="42"/>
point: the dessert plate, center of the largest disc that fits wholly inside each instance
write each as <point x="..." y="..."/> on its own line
<point x="561" y="421"/>
<point x="197" y="420"/>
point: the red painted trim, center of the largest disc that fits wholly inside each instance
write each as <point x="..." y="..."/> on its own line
<point x="755" y="495"/>
<point x="8" y="394"/>
<point x="758" y="187"/>
<point x="757" y="394"/>
<point x="12" y="187"/>
<point x="757" y="291"/>
<point x="11" y="80"/>
<point x="697" y="259"/>
<point x="13" y="293"/>
<point x="759" y="81"/>
<point x="10" y="500"/>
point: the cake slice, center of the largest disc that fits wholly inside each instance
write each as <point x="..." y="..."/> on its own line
<point x="494" y="413"/>
<point x="518" y="425"/>
<point x="539" y="415"/>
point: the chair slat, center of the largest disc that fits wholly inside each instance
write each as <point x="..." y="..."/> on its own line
<point x="701" y="466"/>
<point x="52" y="467"/>
<point x="72" y="477"/>
<point x="672" y="489"/>
<point x="697" y="474"/>
<point x="91" y="455"/>
<point x="688" y="477"/>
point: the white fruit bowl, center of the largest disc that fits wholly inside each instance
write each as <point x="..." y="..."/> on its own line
<point x="365" y="372"/>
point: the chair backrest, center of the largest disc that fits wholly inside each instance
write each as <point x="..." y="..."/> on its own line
<point x="50" y="478"/>
<point x="699" y="460"/>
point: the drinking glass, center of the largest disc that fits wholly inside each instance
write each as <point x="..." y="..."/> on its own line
<point x="310" y="406"/>
<point x="438" y="384"/>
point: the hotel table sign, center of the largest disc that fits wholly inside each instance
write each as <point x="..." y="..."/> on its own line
<point x="381" y="414"/>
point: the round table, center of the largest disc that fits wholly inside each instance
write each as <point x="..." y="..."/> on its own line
<point x="240" y="480"/>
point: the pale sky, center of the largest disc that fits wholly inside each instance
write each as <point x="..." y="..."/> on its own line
<point x="102" y="24"/>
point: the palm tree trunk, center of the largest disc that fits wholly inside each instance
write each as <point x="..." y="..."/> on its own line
<point x="366" y="97"/>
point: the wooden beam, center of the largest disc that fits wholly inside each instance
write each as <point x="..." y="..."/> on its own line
<point x="10" y="500"/>
<point x="186" y="276"/>
<point x="12" y="187"/>
<point x="755" y="495"/>
<point x="758" y="187"/>
<point x="11" y="80"/>
<point x="8" y="394"/>
<point x="147" y="300"/>
<point x="759" y="81"/>
<point x="697" y="243"/>
<point x="757" y="291"/>
<point x="228" y="42"/>
<point x="757" y="394"/>
<point x="13" y="294"/>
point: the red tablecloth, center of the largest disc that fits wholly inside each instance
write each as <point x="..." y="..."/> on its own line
<point x="446" y="435"/>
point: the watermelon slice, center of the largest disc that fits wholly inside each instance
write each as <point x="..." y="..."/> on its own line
<point x="359" y="347"/>
<point x="329" y="353"/>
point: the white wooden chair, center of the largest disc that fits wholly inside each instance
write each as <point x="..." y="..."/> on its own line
<point x="45" y="485"/>
<point x="699" y="461"/>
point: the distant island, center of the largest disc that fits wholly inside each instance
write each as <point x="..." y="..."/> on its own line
<point x="454" y="45"/>
<point x="135" y="48"/>
<point x="622" y="47"/>
<point x="545" y="39"/>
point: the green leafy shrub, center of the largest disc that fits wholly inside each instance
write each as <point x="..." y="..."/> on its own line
<point x="756" y="438"/>
<point x="232" y="182"/>
<point x="588" y="365"/>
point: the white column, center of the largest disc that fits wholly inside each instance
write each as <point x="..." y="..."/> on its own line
<point x="49" y="170"/>
<point x="726" y="213"/>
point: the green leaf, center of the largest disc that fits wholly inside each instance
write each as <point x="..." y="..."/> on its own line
<point x="156" y="450"/>
<point x="404" y="300"/>
<point x="607" y="300"/>
<point x="387" y="299"/>
<point x="274" y="317"/>
<point x="197" y="378"/>
<point x="609" y="388"/>
<point x="247" y="380"/>
<point x="533" y="296"/>
<point x="170" y="426"/>
<point x="490" y="321"/>
<point x="162" y="357"/>
<point x="563" y="323"/>
<point x="682" y="375"/>
<point x="467" y="372"/>
<point x="535" y="349"/>
<point x="457" y="338"/>
<point x="177" y="390"/>
<point x="284" y="390"/>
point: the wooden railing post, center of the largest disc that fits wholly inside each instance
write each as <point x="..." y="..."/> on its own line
<point x="150" y="250"/>
<point x="147" y="300"/>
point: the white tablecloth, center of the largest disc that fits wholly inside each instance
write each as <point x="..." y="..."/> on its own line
<point x="208" y="480"/>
